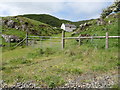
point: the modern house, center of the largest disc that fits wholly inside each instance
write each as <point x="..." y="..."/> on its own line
<point x="68" y="27"/>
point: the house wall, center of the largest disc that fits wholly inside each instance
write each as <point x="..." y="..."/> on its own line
<point x="68" y="29"/>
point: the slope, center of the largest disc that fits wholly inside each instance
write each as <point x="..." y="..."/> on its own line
<point x="22" y="24"/>
<point x="51" y="20"/>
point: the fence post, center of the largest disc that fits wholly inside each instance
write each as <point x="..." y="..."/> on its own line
<point x="63" y="40"/>
<point x="79" y="40"/>
<point x="107" y="40"/>
<point x="26" y="39"/>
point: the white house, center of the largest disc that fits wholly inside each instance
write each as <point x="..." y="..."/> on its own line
<point x="68" y="27"/>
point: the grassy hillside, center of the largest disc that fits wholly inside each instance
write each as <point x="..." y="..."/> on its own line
<point x="17" y="26"/>
<point x="48" y="66"/>
<point x="51" y="20"/>
<point x="34" y="27"/>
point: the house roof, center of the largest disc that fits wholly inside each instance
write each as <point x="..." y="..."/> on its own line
<point x="70" y="25"/>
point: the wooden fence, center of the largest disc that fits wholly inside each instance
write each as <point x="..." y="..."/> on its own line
<point x="89" y="37"/>
<point x="63" y="38"/>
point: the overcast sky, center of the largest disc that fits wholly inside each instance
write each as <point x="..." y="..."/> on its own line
<point x="74" y="10"/>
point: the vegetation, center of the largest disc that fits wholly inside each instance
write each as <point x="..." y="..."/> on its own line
<point x="34" y="27"/>
<point x="115" y="7"/>
<point x="50" y="67"/>
<point x="51" y="20"/>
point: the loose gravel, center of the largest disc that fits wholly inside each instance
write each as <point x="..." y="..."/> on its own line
<point x="85" y="81"/>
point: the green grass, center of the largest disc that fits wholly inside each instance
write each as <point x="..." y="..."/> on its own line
<point x="52" y="67"/>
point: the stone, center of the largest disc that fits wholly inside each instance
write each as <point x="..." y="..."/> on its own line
<point x="12" y="38"/>
<point x="23" y="27"/>
<point x="109" y="22"/>
<point x="16" y="27"/>
<point x="100" y="21"/>
<point x="11" y="24"/>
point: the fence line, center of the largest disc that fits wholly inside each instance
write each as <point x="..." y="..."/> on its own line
<point x="89" y="37"/>
<point x="63" y="38"/>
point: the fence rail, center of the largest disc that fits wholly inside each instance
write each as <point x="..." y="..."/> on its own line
<point x="92" y="37"/>
<point x="20" y="42"/>
<point x="88" y="37"/>
<point x="43" y="37"/>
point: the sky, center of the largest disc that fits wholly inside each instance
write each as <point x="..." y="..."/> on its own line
<point x="73" y="10"/>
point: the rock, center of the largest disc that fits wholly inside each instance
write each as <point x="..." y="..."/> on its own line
<point x="100" y="21"/>
<point x="11" y="24"/>
<point x="12" y="38"/>
<point x="23" y="27"/>
<point x="1" y="45"/>
<point x="4" y="22"/>
<point x="17" y="27"/>
<point x="109" y="22"/>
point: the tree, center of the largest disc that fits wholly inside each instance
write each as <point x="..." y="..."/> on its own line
<point x="115" y="7"/>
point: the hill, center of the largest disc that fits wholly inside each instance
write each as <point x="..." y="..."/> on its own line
<point x="18" y="26"/>
<point x="100" y="26"/>
<point x="22" y="24"/>
<point x="51" y="20"/>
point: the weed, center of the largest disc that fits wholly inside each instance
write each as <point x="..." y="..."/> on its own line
<point x="116" y="87"/>
<point x="2" y="68"/>
<point x="76" y="71"/>
<point x="99" y="68"/>
<point x="54" y="81"/>
<point x="48" y="51"/>
<point x="20" y="61"/>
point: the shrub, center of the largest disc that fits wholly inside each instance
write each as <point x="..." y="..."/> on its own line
<point x="48" y="51"/>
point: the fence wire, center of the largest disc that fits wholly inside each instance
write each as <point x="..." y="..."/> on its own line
<point x="44" y="42"/>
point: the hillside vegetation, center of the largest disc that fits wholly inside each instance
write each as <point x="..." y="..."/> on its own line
<point x="19" y="25"/>
<point x="47" y="65"/>
<point x="51" y="20"/>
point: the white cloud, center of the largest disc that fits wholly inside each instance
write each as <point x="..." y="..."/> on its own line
<point x="57" y="0"/>
<point x="64" y="10"/>
<point x="17" y="8"/>
<point x="83" y="7"/>
<point x="8" y="10"/>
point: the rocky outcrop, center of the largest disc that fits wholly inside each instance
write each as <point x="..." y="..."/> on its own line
<point x="11" y="38"/>
<point x="15" y="22"/>
<point x="100" y="21"/>
<point x="11" y="24"/>
<point x="83" y="26"/>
